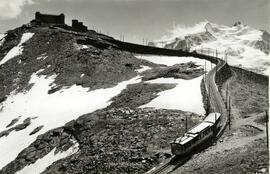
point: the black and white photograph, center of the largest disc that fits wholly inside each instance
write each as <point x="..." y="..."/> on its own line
<point x="134" y="86"/>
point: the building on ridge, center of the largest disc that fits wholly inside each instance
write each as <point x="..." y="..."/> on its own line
<point x="50" y="19"/>
<point x="78" y="26"/>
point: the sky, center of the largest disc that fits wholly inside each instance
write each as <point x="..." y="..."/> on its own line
<point x="138" y="20"/>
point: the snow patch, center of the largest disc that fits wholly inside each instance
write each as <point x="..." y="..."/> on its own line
<point x="42" y="57"/>
<point x="52" y="110"/>
<point x="82" y="75"/>
<point x="186" y="96"/>
<point x="143" y="68"/>
<point x="80" y="46"/>
<point x="17" y="50"/>
<point x="41" y="164"/>
<point x="84" y="47"/>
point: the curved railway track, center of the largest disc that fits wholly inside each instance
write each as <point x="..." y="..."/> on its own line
<point x="216" y="105"/>
<point x="216" y="102"/>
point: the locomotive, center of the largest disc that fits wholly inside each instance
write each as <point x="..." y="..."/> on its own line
<point x="197" y="135"/>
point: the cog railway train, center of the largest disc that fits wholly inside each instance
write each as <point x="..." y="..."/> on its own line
<point x="197" y="135"/>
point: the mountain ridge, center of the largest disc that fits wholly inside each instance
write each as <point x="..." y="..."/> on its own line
<point x="242" y="45"/>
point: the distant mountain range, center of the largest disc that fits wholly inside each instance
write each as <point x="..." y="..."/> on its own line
<point x="243" y="45"/>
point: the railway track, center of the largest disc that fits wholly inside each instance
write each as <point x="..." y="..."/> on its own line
<point x="170" y="165"/>
<point x="216" y="102"/>
<point x="161" y="169"/>
<point x="216" y="105"/>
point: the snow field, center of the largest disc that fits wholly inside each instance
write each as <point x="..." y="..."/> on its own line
<point x="17" y="50"/>
<point x="186" y="95"/>
<point x="51" y="110"/>
<point x="41" y="164"/>
<point x="238" y="42"/>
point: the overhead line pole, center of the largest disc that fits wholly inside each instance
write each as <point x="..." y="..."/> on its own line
<point x="227" y="96"/>
<point x="266" y="112"/>
<point x="186" y="124"/>
<point x="229" y="113"/>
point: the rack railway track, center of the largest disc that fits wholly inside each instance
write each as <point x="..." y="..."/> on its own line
<point x="216" y="105"/>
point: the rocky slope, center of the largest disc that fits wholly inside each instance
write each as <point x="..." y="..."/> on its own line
<point x="73" y="107"/>
<point x="243" y="146"/>
<point x="70" y="107"/>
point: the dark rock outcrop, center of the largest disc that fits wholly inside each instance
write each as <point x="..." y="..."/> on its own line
<point x="18" y="127"/>
<point x="14" y="121"/>
<point x="36" y="130"/>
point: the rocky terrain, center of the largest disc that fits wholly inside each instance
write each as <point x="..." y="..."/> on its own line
<point x="122" y="140"/>
<point x="243" y="147"/>
<point x="58" y="53"/>
<point x="182" y="71"/>
<point x="118" y="137"/>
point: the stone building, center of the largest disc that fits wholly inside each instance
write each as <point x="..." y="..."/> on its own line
<point x="50" y="19"/>
<point x="78" y="26"/>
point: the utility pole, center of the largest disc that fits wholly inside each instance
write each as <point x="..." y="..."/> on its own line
<point x="266" y="112"/>
<point x="227" y="96"/>
<point x="229" y="113"/>
<point x="216" y="53"/>
<point x="186" y="124"/>
<point x="216" y="73"/>
<point x="209" y="92"/>
<point x="209" y="98"/>
<point x="205" y="65"/>
<point x="203" y="74"/>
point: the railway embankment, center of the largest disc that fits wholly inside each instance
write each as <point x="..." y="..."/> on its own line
<point x="223" y="75"/>
<point x="243" y="146"/>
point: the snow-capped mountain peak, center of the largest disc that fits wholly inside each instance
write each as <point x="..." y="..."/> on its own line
<point x="243" y="45"/>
